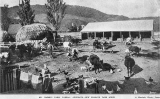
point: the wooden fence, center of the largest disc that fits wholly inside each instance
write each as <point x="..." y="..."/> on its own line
<point x="9" y="79"/>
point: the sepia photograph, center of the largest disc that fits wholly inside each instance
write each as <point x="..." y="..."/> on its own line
<point x="84" y="47"/>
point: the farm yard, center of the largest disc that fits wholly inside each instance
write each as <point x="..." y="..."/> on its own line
<point x="63" y="48"/>
<point x="146" y="67"/>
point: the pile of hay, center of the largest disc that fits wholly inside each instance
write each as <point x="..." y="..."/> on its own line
<point x="35" y="31"/>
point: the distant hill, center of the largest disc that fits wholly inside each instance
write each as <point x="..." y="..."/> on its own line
<point x="78" y="15"/>
<point x="74" y="14"/>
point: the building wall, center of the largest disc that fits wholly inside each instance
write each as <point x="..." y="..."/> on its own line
<point x="118" y="35"/>
<point x="74" y="34"/>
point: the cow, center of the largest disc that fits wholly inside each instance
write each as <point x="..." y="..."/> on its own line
<point x="96" y="62"/>
<point x="134" y="49"/>
<point x="75" y="40"/>
<point x="129" y="63"/>
<point x="22" y="49"/>
<point x="12" y="47"/>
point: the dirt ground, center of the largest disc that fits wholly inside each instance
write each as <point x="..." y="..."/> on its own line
<point x="147" y="66"/>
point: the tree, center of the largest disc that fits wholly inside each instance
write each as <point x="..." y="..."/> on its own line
<point x="73" y="28"/>
<point x="5" y="21"/>
<point x="25" y="13"/>
<point x="55" y="12"/>
<point x="7" y="37"/>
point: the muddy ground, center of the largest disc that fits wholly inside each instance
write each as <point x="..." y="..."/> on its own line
<point x="147" y="65"/>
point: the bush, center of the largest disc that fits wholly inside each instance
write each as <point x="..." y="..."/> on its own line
<point x="8" y="38"/>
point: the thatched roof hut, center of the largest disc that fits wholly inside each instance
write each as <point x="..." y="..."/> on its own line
<point x="35" y="31"/>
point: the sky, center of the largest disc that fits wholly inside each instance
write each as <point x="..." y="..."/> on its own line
<point x="129" y="8"/>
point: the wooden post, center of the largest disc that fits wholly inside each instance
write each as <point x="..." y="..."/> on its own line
<point x="152" y="35"/>
<point x="88" y="35"/>
<point x="121" y="36"/>
<point x="94" y="35"/>
<point x="129" y="34"/>
<point x="112" y="35"/>
<point x="103" y="34"/>
<point x="140" y="37"/>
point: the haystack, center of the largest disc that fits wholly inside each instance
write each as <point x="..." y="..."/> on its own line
<point x="35" y="31"/>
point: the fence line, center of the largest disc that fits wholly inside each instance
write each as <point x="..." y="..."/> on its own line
<point x="10" y="79"/>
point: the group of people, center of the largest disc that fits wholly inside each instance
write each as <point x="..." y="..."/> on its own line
<point x="101" y="45"/>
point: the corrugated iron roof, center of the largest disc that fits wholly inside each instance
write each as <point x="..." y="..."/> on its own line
<point x="131" y="25"/>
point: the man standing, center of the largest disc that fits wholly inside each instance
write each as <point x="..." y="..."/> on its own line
<point x="50" y="49"/>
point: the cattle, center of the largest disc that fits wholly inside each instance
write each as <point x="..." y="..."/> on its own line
<point x="107" y="66"/>
<point x="12" y="47"/>
<point x="129" y="63"/>
<point x="22" y="49"/>
<point x="75" y="40"/>
<point x="134" y="49"/>
<point x="96" y="62"/>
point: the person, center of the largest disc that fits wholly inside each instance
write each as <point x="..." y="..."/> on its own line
<point x="50" y="48"/>
<point x="75" y="53"/>
<point x="129" y="41"/>
<point x="47" y="85"/>
<point x="95" y="45"/>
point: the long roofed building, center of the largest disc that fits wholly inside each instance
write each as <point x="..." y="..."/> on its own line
<point x="119" y="29"/>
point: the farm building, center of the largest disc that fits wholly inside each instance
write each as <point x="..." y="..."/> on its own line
<point x="73" y="34"/>
<point x="119" y="30"/>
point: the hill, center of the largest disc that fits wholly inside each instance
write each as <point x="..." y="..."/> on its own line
<point x="74" y="14"/>
<point x="78" y="15"/>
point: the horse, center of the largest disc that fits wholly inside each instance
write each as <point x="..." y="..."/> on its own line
<point x="129" y="63"/>
<point x="96" y="62"/>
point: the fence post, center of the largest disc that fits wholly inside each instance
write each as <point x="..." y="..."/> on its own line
<point x="14" y="79"/>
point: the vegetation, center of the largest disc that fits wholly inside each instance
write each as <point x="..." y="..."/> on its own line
<point x="74" y="14"/>
<point x="55" y="12"/>
<point x="25" y="13"/>
<point x="8" y="37"/>
<point x="4" y="20"/>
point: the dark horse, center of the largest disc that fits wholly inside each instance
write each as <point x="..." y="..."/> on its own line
<point x="96" y="62"/>
<point x="129" y="63"/>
